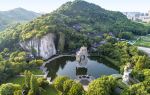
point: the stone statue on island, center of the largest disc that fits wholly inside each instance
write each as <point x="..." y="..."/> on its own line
<point x="126" y="74"/>
<point x="82" y="57"/>
<point x="81" y="69"/>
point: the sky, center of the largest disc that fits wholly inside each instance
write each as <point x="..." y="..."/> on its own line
<point x="47" y="6"/>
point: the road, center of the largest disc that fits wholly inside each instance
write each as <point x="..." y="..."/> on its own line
<point x="145" y="49"/>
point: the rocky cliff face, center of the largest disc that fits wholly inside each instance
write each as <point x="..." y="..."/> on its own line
<point x="43" y="47"/>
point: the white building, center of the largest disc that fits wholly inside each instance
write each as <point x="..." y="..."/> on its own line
<point x="145" y="19"/>
<point x="137" y="16"/>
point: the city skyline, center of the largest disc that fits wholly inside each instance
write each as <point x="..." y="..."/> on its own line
<point x="47" y="6"/>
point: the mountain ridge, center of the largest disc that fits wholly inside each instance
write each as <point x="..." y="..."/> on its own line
<point x="17" y="15"/>
<point x="86" y="14"/>
<point x="76" y="20"/>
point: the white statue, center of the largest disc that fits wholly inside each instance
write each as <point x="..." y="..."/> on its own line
<point x="82" y="57"/>
<point x="126" y="74"/>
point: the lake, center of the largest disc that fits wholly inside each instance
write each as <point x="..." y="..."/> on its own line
<point x="66" y="66"/>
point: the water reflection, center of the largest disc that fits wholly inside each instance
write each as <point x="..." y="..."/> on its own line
<point x="66" y="66"/>
<point x="81" y="71"/>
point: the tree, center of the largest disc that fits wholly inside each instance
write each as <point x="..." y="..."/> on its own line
<point x="19" y="92"/>
<point x="59" y="81"/>
<point x="142" y="75"/>
<point x="31" y="83"/>
<point x="34" y="85"/>
<point x="9" y="88"/>
<point x="136" y="89"/>
<point x="31" y="92"/>
<point x="42" y="82"/>
<point x="146" y="73"/>
<point x="140" y="64"/>
<point x="67" y="86"/>
<point x="76" y="89"/>
<point x="1" y="58"/>
<point x="28" y="75"/>
<point x="102" y="86"/>
<point x="39" y="62"/>
<point x="126" y="35"/>
<point x="5" y="52"/>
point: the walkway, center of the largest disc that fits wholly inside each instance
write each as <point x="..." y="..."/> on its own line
<point x="118" y="76"/>
<point x="133" y="42"/>
<point x="51" y="59"/>
<point x="145" y="49"/>
<point x="85" y="88"/>
<point x="34" y="75"/>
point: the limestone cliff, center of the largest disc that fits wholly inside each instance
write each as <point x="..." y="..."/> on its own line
<point x="43" y="47"/>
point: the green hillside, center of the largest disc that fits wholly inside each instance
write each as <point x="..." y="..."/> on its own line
<point x="80" y="21"/>
<point x="17" y="15"/>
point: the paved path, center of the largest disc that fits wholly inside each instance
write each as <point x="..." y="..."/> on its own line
<point x="145" y="49"/>
<point x="54" y="59"/>
<point x="85" y="88"/>
<point x="116" y="76"/>
<point x="34" y="75"/>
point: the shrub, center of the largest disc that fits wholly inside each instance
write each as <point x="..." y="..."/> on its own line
<point x="42" y="82"/>
<point x="67" y="85"/>
<point x="39" y="62"/>
<point x="102" y="86"/>
<point x="58" y="83"/>
<point x="9" y="88"/>
<point x="76" y="89"/>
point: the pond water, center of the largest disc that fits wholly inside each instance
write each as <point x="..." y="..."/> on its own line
<point x="66" y="66"/>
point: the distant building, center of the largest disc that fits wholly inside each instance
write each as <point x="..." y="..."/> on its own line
<point x="133" y="15"/>
<point x="145" y="18"/>
<point x="137" y="16"/>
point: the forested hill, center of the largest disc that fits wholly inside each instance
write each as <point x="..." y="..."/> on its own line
<point x="79" y="21"/>
<point x="14" y="16"/>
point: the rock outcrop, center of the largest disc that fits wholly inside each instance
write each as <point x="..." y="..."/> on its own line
<point x="43" y="47"/>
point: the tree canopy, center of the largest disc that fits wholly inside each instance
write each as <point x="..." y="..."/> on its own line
<point x="79" y="20"/>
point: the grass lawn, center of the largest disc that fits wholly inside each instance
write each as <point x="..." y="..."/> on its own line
<point x="144" y="41"/>
<point x="16" y="80"/>
<point x="35" y="71"/>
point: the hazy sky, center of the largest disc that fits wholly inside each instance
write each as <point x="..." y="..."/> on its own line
<point x="50" y="5"/>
